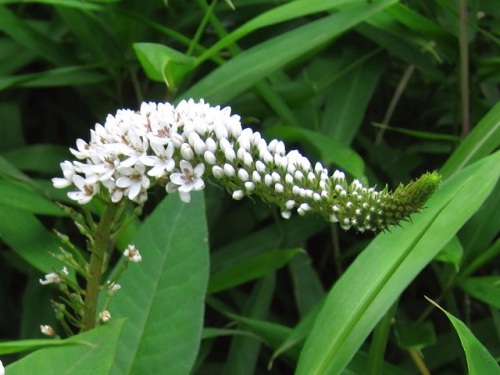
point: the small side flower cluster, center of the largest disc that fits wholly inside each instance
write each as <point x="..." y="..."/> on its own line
<point x="177" y="146"/>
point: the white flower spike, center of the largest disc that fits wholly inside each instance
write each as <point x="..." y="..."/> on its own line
<point x="174" y="145"/>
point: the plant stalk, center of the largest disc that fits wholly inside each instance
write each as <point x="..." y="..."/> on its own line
<point x="96" y="266"/>
<point x="464" y="68"/>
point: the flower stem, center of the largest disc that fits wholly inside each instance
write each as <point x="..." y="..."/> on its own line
<point x="96" y="265"/>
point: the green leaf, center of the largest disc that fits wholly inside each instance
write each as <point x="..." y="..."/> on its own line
<point x="11" y="131"/>
<point x="163" y="296"/>
<point x="484" y="288"/>
<point x="297" y="336"/>
<point x="419" y="134"/>
<point x="415" y="336"/>
<point x="32" y="39"/>
<point x="17" y="195"/>
<point x="484" y="139"/>
<point x="41" y="158"/>
<point x="331" y="151"/>
<point x="348" y="100"/>
<point x="164" y="64"/>
<point x="251" y="66"/>
<point x="479" y="360"/>
<point x="35" y="344"/>
<point x="94" y="350"/>
<point x="276" y="15"/>
<point x="307" y="287"/>
<point x="28" y="238"/>
<point x="381" y="272"/>
<point x="452" y="253"/>
<point x="78" y="4"/>
<point x="251" y="269"/>
<point x="244" y="351"/>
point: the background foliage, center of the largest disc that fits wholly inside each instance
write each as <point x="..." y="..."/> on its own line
<point x="381" y="89"/>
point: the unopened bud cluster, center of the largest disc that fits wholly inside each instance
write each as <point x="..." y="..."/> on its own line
<point x="178" y="146"/>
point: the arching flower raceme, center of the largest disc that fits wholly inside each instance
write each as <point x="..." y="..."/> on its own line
<point x="180" y="146"/>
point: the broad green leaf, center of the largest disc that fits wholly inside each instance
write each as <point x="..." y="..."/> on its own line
<point x="331" y="151"/>
<point x="415" y="336"/>
<point x="163" y="296"/>
<point x="17" y="195"/>
<point x="94" y="350"/>
<point x="360" y="364"/>
<point x="484" y="288"/>
<point x="484" y="138"/>
<point x="479" y="359"/>
<point x="452" y="253"/>
<point x="164" y="64"/>
<point x="251" y="269"/>
<point x="41" y="158"/>
<point x="249" y="67"/>
<point x="28" y="238"/>
<point x="381" y="272"/>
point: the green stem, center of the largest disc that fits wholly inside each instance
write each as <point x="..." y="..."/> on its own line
<point x="96" y="265"/>
<point x="379" y="342"/>
<point x="464" y="68"/>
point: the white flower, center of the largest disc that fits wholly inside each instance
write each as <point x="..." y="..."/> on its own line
<point x="229" y="170"/>
<point x="53" y="277"/>
<point x="217" y="171"/>
<point x="210" y="157"/>
<point x="88" y="188"/>
<point x="162" y="160"/>
<point x="2" y="369"/>
<point x="132" y="254"/>
<point x="238" y="194"/>
<point x="114" y="287"/>
<point x="105" y="316"/>
<point x="187" y="151"/>
<point x="47" y="331"/>
<point x="68" y="173"/>
<point x="189" y="179"/>
<point x="133" y="180"/>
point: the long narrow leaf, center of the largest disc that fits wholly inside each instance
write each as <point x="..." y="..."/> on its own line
<point x="382" y="271"/>
<point x="251" y="66"/>
<point x="479" y="360"/>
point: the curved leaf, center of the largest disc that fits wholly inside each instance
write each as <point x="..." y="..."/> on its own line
<point x="93" y="350"/>
<point x="479" y="360"/>
<point x="249" y="67"/>
<point x="391" y="261"/>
